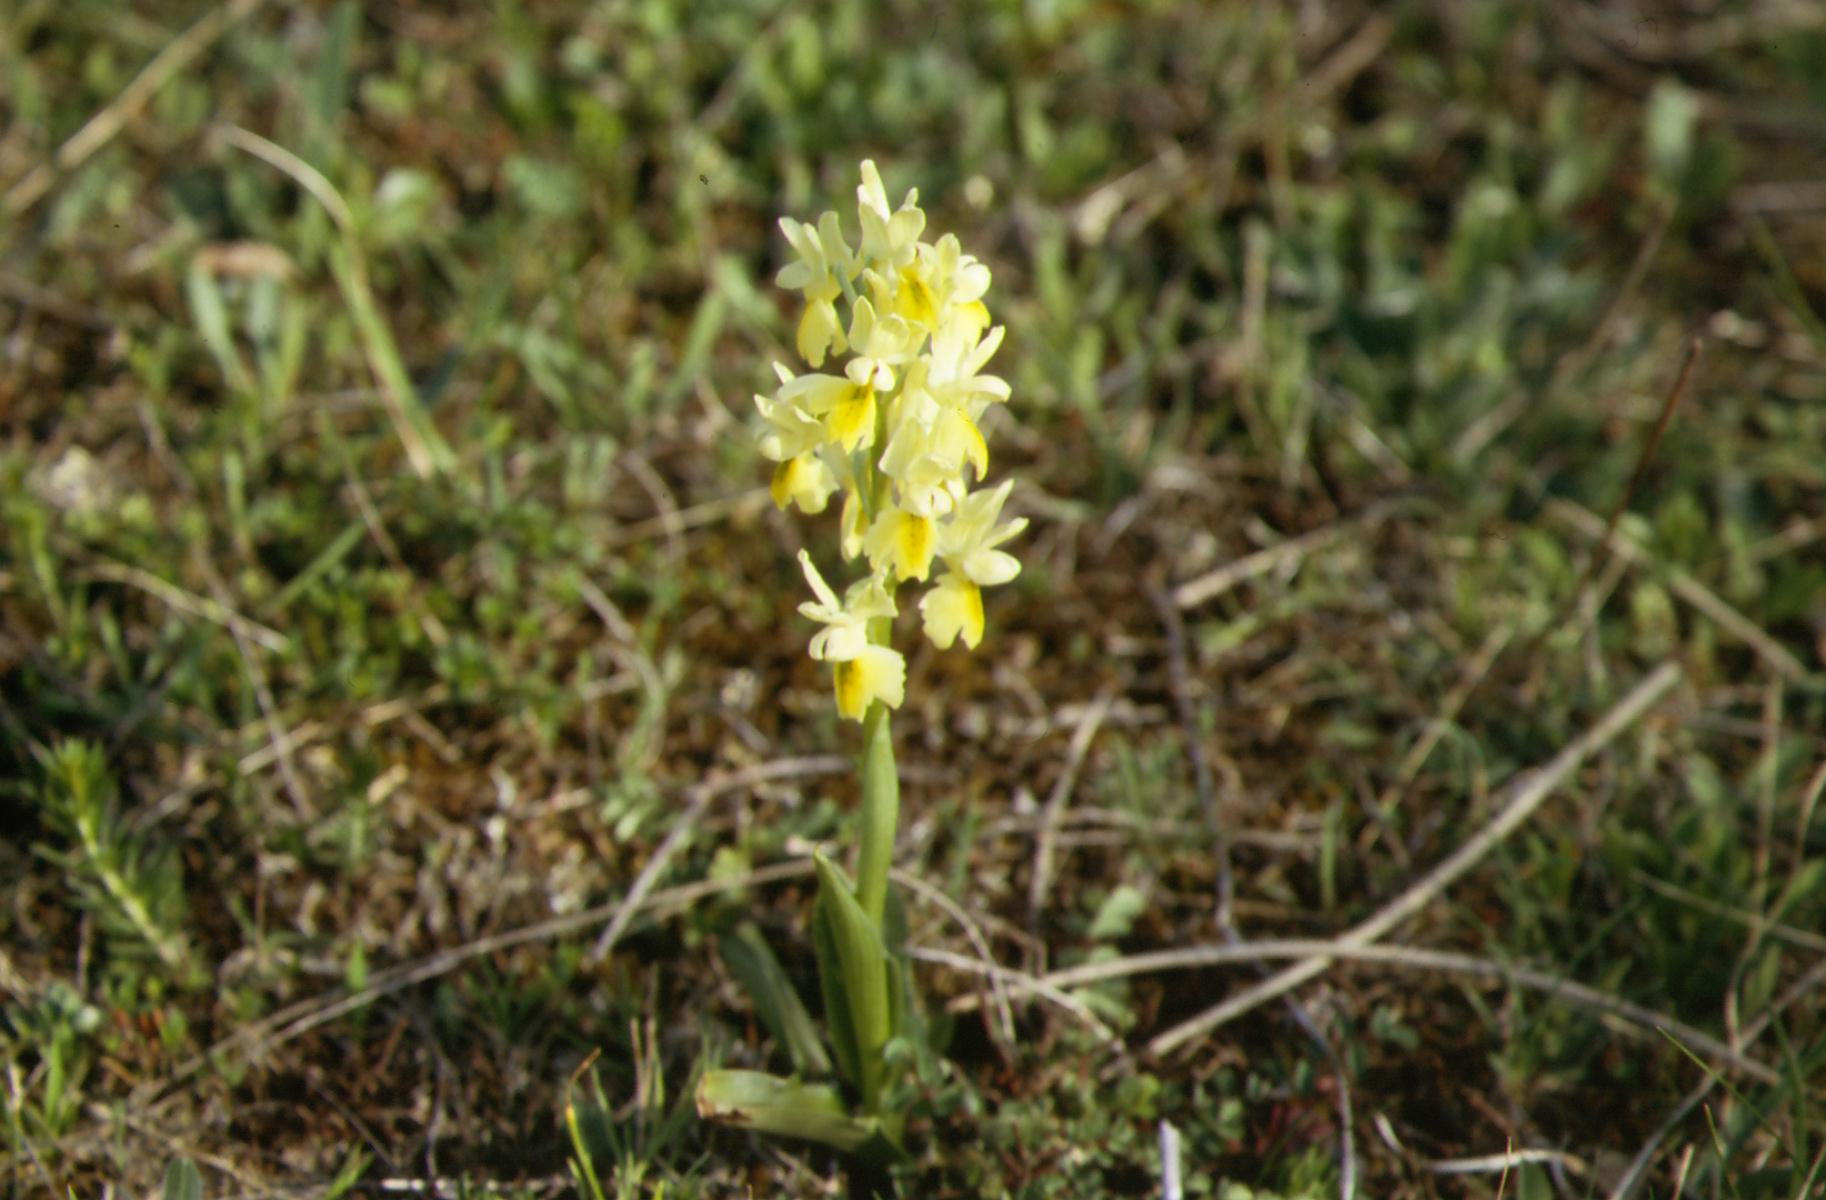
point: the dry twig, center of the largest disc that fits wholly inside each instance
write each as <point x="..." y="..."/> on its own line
<point x="1638" y="1167"/>
<point x="1046" y="837"/>
<point x="102" y="128"/>
<point x="978" y="942"/>
<point x="1526" y="794"/>
<point x="1638" y="1018"/>
<point x="1685" y="586"/>
<point x="295" y="1020"/>
<point x="1000" y="977"/>
<point x="176" y="597"/>
<point x="1215" y="583"/>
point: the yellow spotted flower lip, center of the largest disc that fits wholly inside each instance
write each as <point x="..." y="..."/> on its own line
<point x="878" y="673"/>
<point x="863" y="671"/>
<point x="805" y="481"/>
<point x="952" y="608"/>
<point x="896" y="423"/>
<point x="901" y="542"/>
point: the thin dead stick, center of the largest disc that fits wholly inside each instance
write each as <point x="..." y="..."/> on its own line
<point x="33" y="298"/>
<point x="628" y="654"/>
<point x="1526" y="795"/>
<point x="188" y="602"/>
<point x="1487" y="428"/>
<point x="297" y="1019"/>
<point x="277" y="736"/>
<point x="1575" y="364"/>
<point x="1575" y="599"/>
<point x="1092" y="216"/>
<point x="1489" y="1164"/>
<point x="1179" y="683"/>
<point x="1045" y="842"/>
<point x="1413" y="958"/>
<point x="1454" y="703"/>
<point x="699" y="797"/>
<point x="1645" y="1021"/>
<point x="1763" y="199"/>
<point x="1247" y="356"/>
<point x="974" y="932"/>
<point x="370" y="516"/>
<point x="664" y="502"/>
<point x="1000" y="977"/>
<point x="172" y="1145"/>
<point x="682" y="829"/>
<point x="1638" y="1167"/>
<point x="1743" y="916"/>
<point x="1169" y="1162"/>
<point x="1153" y="186"/>
<point x="1685" y="586"/>
<point x="102" y="128"/>
<point x="1668" y="404"/>
<point x="424" y="447"/>
<point x="1803" y="823"/>
<point x="1761" y="848"/>
<point x="1358" y="53"/>
<point x="1215" y="583"/>
<point x="685" y="519"/>
<point x="1798" y="535"/>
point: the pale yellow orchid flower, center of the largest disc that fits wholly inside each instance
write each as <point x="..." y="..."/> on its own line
<point x="862" y="671"/>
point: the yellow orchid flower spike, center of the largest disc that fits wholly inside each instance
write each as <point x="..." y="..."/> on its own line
<point x="895" y="423"/>
<point x="896" y="427"/>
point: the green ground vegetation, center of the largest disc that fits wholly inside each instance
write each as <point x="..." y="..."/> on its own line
<point x="402" y="700"/>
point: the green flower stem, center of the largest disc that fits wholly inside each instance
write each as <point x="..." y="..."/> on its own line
<point x="880" y="813"/>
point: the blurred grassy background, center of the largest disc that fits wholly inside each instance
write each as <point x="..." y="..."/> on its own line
<point x="384" y="562"/>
